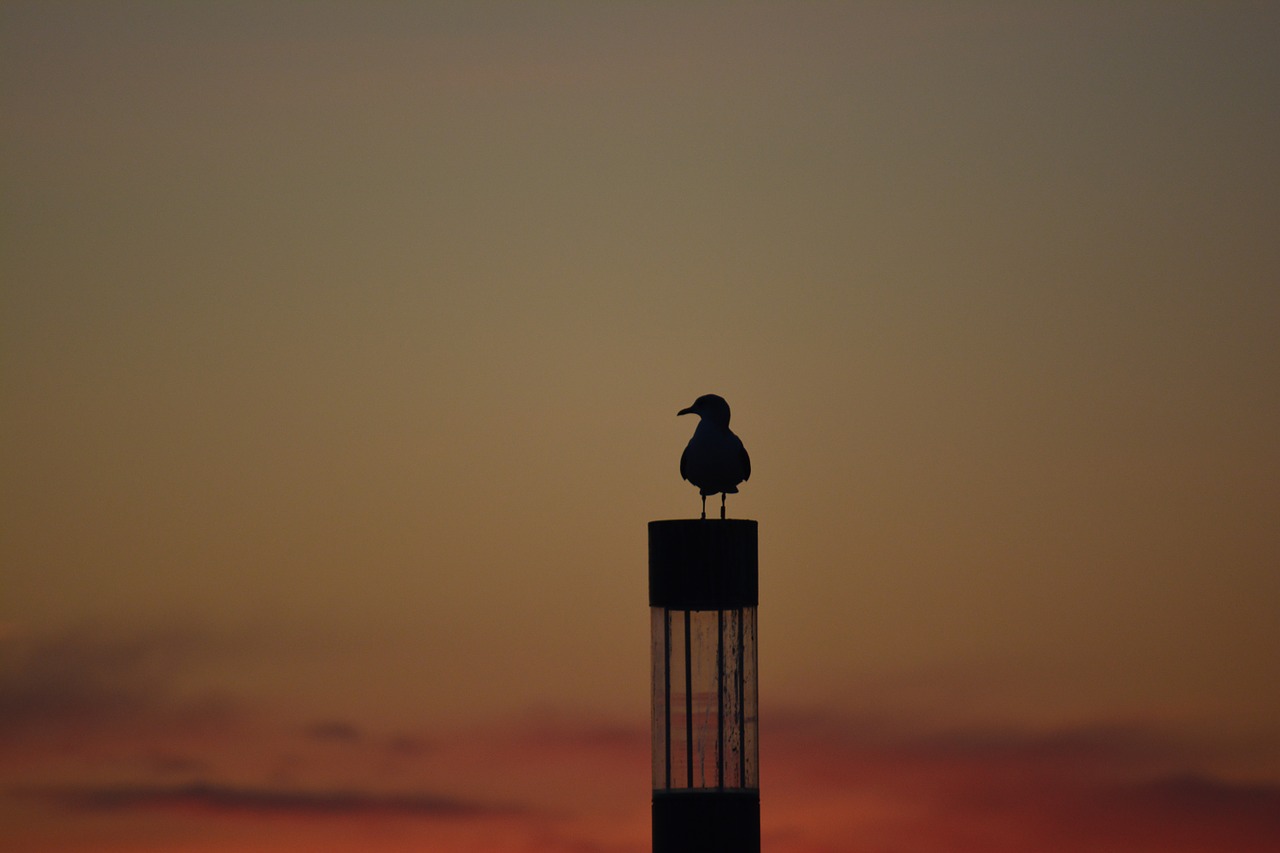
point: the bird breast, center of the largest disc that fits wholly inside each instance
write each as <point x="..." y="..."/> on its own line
<point x="713" y="460"/>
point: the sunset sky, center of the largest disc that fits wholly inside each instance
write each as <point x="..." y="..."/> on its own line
<point x="341" y="346"/>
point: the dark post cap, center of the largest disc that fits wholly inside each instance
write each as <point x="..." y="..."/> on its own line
<point x="703" y="564"/>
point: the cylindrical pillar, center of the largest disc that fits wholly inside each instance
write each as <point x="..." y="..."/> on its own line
<point x="703" y="594"/>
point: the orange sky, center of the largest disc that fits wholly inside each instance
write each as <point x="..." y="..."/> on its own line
<point x="340" y="351"/>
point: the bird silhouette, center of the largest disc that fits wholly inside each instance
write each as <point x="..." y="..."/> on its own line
<point x="714" y="460"/>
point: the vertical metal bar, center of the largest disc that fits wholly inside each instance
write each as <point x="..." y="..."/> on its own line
<point x="742" y="700"/>
<point x="720" y="698"/>
<point x="688" y="696"/>
<point x="666" y="674"/>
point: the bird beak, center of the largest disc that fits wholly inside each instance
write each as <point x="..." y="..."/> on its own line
<point x="688" y="411"/>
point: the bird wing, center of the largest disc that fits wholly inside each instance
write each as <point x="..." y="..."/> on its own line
<point x="746" y="463"/>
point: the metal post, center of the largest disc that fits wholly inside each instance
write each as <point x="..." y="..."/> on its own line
<point x="703" y="595"/>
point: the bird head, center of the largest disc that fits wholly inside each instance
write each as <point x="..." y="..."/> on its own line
<point x="710" y="407"/>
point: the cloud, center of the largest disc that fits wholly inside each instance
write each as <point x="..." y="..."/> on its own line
<point x="835" y="784"/>
<point x="170" y="764"/>
<point x="334" y="730"/>
<point x="828" y="784"/>
<point x="407" y="746"/>
<point x="1198" y="807"/>
<point x="93" y="699"/>
<point x="93" y="675"/>
<point x="264" y="801"/>
<point x="1201" y="794"/>
<point x="121" y="705"/>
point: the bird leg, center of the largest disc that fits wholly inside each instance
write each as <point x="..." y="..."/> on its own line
<point x="704" y="507"/>
<point x="722" y="506"/>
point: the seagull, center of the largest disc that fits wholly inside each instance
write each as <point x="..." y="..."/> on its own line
<point x="714" y="460"/>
